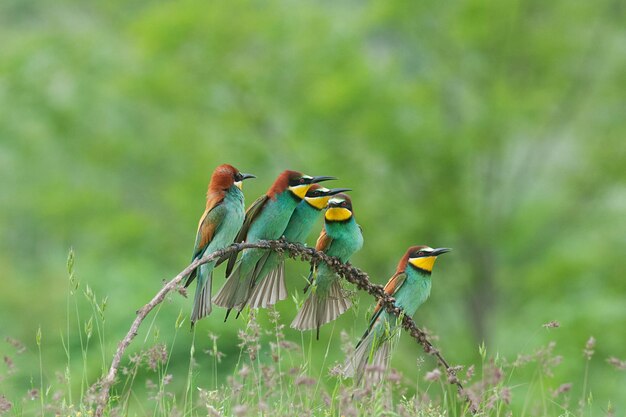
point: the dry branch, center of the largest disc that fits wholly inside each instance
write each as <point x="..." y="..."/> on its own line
<point x="294" y="250"/>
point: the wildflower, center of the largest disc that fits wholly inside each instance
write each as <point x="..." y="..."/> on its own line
<point x="213" y="411"/>
<point x="250" y="337"/>
<point x="616" y="363"/>
<point x="240" y="410"/>
<point x="433" y="375"/>
<point x="522" y="360"/>
<point x="304" y="380"/>
<point x="267" y="372"/>
<point x="470" y="372"/>
<point x="374" y="373"/>
<point x="157" y="355"/>
<point x="57" y="396"/>
<point x="10" y="365"/>
<point x="135" y="358"/>
<point x="551" y="325"/>
<point x="92" y="393"/>
<point x="285" y="344"/>
<point x="335" y="371"/>
<point x="274" y="317"/>
<point x="420" y="362"/>
<point x="346" y="343"/>
<point x="19" y="346"/>
<point x="33" y="394"/>
<point x="496" y="375"/>
<point x="394" y="376"/>
<point x="5" y="405"/>
<point x="505" y="395"/>
<point x="167" y="379"/>
<point x="244" y="371"/>
<point x="215" y="353"/>
<point x="589" y="346"/>
<point x="61" y="377"/>
<point x="275" y="351"/>
<point x="563" y="388"/>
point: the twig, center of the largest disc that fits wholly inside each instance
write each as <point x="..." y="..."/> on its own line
<point x="295" y="250"/>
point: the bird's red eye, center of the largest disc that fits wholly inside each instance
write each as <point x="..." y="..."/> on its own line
<point x="301" y="180"/>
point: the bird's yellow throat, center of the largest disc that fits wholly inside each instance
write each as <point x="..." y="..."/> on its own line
<point x="425" y="263"/>
<point x="338" y="214"/>
<point x="318" y="202"/>
<point x="300" y="190"/>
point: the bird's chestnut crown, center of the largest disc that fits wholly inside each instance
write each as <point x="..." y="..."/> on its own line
<point x="226" y="176"/>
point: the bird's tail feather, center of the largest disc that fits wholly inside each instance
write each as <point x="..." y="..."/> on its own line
<point x="202" y="300"/>
<point x="270" y="290"/>
<point x="319" y="310"/>
<point x="373" y="350"/>
<point x="191" y="277"/>
<point x="235" y="290"/>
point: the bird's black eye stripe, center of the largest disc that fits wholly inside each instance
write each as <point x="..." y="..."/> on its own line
<point x="238" y="176"/>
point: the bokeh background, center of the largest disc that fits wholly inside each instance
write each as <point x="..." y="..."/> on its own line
<point x="496" y="128"/>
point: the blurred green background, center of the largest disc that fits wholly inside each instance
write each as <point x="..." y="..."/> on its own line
<point x="496" y="128"/>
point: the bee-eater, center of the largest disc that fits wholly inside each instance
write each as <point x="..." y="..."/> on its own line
<point x="269" y="286"/>
<point x="265" y="219"/>
<point x="410" y="287"/>
<point x="341" y="237"/>
<point x="218" y="226"/>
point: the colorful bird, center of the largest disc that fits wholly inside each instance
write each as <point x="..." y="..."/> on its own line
<point x="341" y="237"/>
<point x="266" y="219"/>
<point x="410" y="287"/>
<point x="269" y="286"/>
<point x="218" y="226"/>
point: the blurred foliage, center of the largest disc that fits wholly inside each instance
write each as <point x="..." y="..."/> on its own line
<point x="493" y="127"/>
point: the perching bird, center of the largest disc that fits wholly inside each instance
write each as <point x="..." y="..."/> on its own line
<point x="269" y="286"/>
<point x="341" y="237"/>
<point x="217" y="229"/>
<point x="266" y="219"/>
<point x="410" y="286"/>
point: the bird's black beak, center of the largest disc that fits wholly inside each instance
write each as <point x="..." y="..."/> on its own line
<point x="315" y="180"/>
<point x="334" y="191"/>
<point x="440" y="251"/>
<point x="246" y="176"/>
